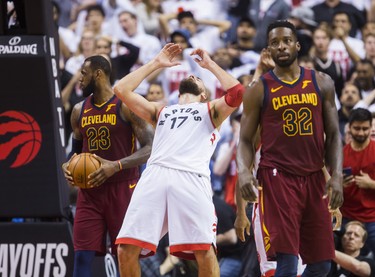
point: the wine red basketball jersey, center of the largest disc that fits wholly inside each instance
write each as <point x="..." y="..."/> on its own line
<point x="107" y="135"/>
<point x="292" y="134"/>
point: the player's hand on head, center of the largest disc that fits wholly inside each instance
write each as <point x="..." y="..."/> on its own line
<point x="242" y="225"/>
<point x="201" y="57"/>
<point x="106" y="170"/>
<point x="167" y="56"/>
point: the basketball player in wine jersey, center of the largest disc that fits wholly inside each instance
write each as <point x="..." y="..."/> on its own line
<point x="295" y="109"/>
<point x="104" y="126"/>
<point x="174" y="192"/>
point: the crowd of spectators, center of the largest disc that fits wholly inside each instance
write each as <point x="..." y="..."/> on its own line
<point x="336" y="37"/>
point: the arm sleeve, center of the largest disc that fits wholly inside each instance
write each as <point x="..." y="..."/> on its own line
<point x="234" y="95"/>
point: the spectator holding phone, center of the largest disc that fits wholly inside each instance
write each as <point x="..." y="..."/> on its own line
<point x="359" y="174"/>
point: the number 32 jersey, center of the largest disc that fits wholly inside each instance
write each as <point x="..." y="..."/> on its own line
<point x="185" y="138"/>
<point x="292" y="133"/>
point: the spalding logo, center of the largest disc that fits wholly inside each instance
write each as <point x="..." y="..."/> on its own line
<point x="19" y="132"/>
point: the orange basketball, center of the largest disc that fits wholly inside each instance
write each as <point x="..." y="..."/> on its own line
<point x="81" y="166"/>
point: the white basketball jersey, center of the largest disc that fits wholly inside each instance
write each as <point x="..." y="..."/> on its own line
<point x="185" y="138"/>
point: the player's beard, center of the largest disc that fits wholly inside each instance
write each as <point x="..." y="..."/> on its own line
<point x="189" y="86"/>
<point x="90" y="88"/>
<point x="288" y="62"/>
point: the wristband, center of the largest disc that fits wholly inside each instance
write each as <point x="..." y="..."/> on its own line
<point x="119" y="165"/>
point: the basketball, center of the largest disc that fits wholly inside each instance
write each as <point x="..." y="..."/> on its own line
<point x="81" y="166"/>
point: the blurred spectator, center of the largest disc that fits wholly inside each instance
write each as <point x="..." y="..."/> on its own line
<point x="202" y="9"/>
<point x="322" y="61"/>
<point x="86" y="48"/>
<point x="361" y="5"/>
<point x="225" y="163"/>
<point x="350" y="96"/>
<point x="349" y="261"/>
<point x="123" y="58"/>
<point x="237" y="9"/>
<point x="303" y="18"/>
<point x="359" y="186"/>
<point x="149" y="45"/>
<point x="103" y="46"/>
<point x="113" y="7"/>
<point x="65" y="7"/>
<point x="95" y="19"/>
<point x="344" y="49"/>
<point x="306" y="62"/>
<point x="148" y="12"/>
<point x="368" y="28"/>
<point x="369" y="40"/>
<point x="364" y="76"/>
<point x="242" y="49"/>
<point x="78" y="6"/>
<point x="67" y="39"/>
<point x="262" y="14"/>
<point x="155" y="93"/>
<point x="326" y="10"/>
<point x="208" y="38"/>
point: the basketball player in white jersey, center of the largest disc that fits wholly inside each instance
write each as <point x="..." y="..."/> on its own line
<point x="174" y="193"/>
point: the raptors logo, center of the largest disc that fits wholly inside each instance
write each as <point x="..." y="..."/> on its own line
<point x="20" y="138"/>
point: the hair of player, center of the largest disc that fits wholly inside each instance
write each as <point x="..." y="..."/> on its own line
<point x="99" y="62"/>
<point x="282" y="24"/>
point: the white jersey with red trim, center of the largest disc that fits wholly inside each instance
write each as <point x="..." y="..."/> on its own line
<point x="185" y="138"/>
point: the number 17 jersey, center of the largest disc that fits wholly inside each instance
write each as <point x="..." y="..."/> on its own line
<point x="292" y="133"/>
<point x="185" y="138"/>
